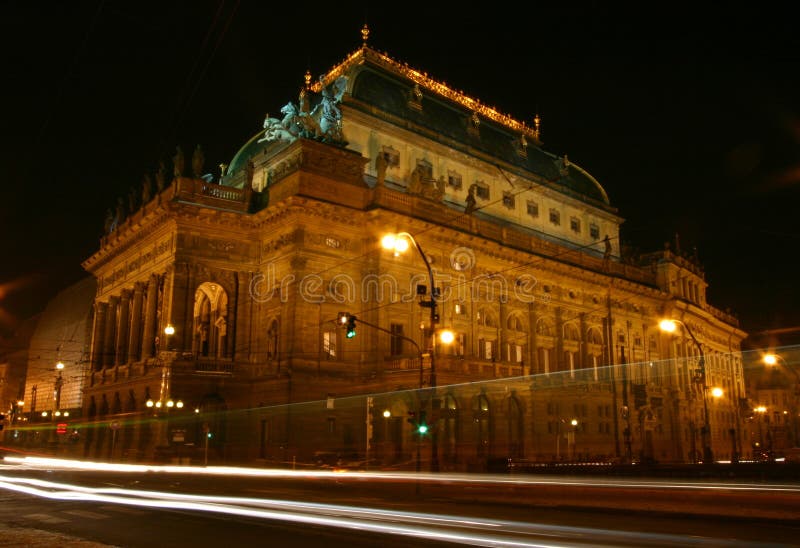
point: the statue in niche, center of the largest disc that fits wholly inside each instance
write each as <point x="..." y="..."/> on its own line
<point x="178" y="162"/>
<point x="161" y="176"/>
<point x="198" y="159"/>
<point x="415" y="184"/>
<point x="438" y="192"/>
<point x="381" y="164"/>
<point x="471" y="202"/>
<point x="147" y="188"/>
<point x="606" y="252"/>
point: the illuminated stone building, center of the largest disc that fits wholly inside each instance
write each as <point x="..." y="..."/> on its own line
<point x="253" y="270"/>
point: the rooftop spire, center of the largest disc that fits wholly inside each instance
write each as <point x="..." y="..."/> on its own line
<point x="365" y="34"/>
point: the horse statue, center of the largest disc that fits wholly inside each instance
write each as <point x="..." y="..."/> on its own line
<point x="274" y="130"/>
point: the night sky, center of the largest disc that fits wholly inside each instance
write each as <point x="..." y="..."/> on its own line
<point x="688" y="118"/>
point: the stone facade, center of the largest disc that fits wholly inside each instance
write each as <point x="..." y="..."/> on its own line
<point x="551" y="324"/>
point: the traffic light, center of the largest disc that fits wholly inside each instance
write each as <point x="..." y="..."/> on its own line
<point x="351" y="326"/>
<point x="2" y="420"/>
<point x="422" y="425"/>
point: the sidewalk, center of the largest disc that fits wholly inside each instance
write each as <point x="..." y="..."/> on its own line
<point x="18" y="537"/>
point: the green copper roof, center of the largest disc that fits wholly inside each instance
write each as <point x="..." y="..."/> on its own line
<point x="388" y="96"/>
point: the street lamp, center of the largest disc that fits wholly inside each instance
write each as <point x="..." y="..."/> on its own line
<point x="778" y="360"/>
<point x="669" y="326"/>
<point x="398" y="243"/>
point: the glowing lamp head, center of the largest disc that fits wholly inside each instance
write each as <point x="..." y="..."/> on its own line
<point x="668" y="326"/>
<point x="179" y="404"/>
<point x="149" y="403"/>
<point x="394" y="243"/>
<point x="447" y="336"/>
<point x="770" y="359"/>
<point x="574" y="422"/>
<point x="387" y="414"/>
<point x="60" y="365"/>
<point x="169" y="330"/>
<point x="717" y="392"/>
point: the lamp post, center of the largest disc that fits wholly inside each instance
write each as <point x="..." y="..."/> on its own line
<point x="670" y="326"/>
<point x="398" y="243"/>
<point x="59" y="382"/>
<point x="761" y="410"/>
<point x="776" y="359"/>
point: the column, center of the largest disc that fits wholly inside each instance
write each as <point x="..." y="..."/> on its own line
<point x="135" y="344"/>
<point x="110" y="332"/>
<point x="148" y="335"/>
<point x="123" y="319"/>
<point x="100" y="310"/>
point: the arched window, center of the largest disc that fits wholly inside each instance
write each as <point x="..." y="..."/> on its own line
<point x="593" y="336"/>
<point x="515" y="323"/>
<point x="544" y="327"/>
<point x="571" y="332"/>
<point x="450" y="428"/>
<point x="481" y="416"/>
<point x="210" y="321"/>
<point x="486" y="318"/>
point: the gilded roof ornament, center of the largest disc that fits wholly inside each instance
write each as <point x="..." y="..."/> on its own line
<point x="364" y="34"/>
<point x="423" y="81"/>
<point x="308" y="79"/>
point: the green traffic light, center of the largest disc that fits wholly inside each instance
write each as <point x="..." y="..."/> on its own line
<point x="422" y="429"/>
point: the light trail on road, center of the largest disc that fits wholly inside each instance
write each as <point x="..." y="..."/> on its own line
<point x="449" y="478"/>
<point x="442" y="528"/>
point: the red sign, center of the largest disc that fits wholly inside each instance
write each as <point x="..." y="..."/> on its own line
<point x="61" y="428"/>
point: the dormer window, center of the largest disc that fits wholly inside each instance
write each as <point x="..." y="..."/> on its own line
<point x="555" y="217"/>
<point x="575" y="225"/>
<point x="594" y="232"/>
<point x="482" y="190"/>
<point x="508" y="200"/>
<point x="533" y="209"/>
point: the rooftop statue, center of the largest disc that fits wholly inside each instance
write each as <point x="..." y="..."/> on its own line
<point x="198" y="160"/>
<point x="178" y="162"/>
<point x="323" y="122"/>
<point x="328" y="112"/>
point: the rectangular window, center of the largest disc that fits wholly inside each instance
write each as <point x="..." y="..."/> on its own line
<point x="533" y="209"/>
<point x="487" y="349"/>
<point x="555" y="217"/>
<point x="397" y="339"/>
<point x="392" y="156"/>
<point x="594" y="232"/>
<point x="508" y="200"/>
<point x="460" y="308"/>
<point x="575" y="225"/>
<point x="482" y="190"/>
<point x="453" y="179"/>
<point x="329" y="344"/>
<point x="460" y="344"/>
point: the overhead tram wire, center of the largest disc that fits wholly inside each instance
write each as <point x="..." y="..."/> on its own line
<point x="192" y="85"/>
